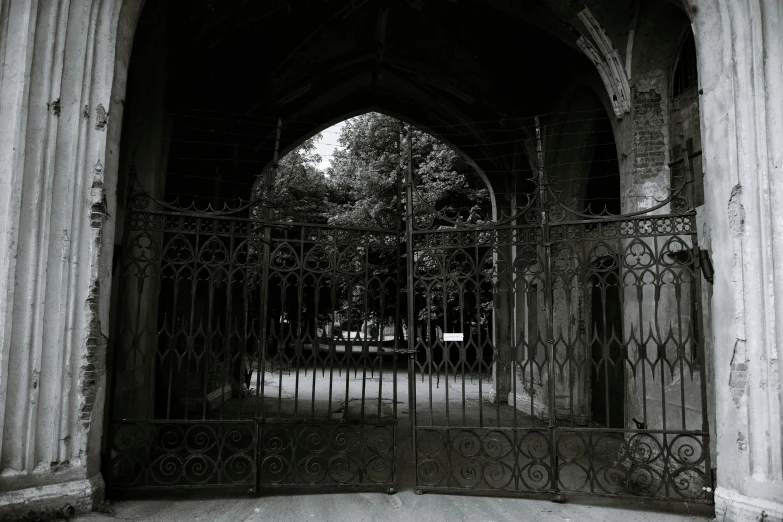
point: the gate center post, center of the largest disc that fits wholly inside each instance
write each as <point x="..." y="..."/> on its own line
<point x="543" y="188"/>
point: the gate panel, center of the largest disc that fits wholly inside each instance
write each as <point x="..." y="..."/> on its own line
<point x="175" y="454"/>
<point x="628" y="370"/>
<point x="253" y="354"/>
<point x="594" y="320"/>
<point x="466" y="436"/>
<point x="188" y="287"/>
<point x="327" y="414"/>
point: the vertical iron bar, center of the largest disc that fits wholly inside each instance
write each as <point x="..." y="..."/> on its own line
<point x="606" y="353"/>
<point x="208" y="341"/>
<point x="333" y="317"/>
<point x="365" y="316"/>
<point x="298" y="342"/>
<point x="381" y="321"/>
<point x="532" y="339"/>
<point x="281" y="338"/>
<point x="543" y="188"/>
<point x="348" y="354"/>
<point x="444" y="345"/>
<point x="642" y="343"/>
<point x="663" y="356"/>
<point x="315" y="342"/>
<point x="680" y="348"/>
<point x="428" y="350"/>
<point x="229" y="333"/>
<point x="269" y="180"/>
<point x="463" y="354"/>
<point x="479" y="342"/>
<point x="194" y="290"/>
<point x="497" y="360"/>
<point x="623" y="340"/>
<point x="705" y="423"/>
<point x="571" y="342"/>
<point x="400" y="278"/>
<point x="172" y="343"/>
<point x="410" y="278"/>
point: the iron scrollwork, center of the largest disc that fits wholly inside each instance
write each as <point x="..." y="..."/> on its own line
<point x="155" y="455"/>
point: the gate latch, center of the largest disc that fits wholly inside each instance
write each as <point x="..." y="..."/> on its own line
<point x="706" y="265"/>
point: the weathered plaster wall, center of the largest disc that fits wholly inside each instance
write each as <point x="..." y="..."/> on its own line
<point x="741" y="75"/>
<point x="58" y="137"/>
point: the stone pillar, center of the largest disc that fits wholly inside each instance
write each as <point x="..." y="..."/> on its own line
<point x="741" y="75"/>
<point x="503" y="326"/>
<point x="503" y="289"/>
<point x="61" y="88"/>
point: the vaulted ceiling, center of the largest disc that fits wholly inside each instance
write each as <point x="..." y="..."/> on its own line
<point x="443" y="64"/>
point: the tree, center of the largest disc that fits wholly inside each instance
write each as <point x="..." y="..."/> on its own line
<point x="301" y="192"/>
<point x="447" y="191"/>
<point x="364" y="186"/>
<point x="366" y="173"/>
<point x="364" y="181"/>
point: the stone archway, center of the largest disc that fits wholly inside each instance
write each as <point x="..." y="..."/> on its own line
<point x="61" y="114"/>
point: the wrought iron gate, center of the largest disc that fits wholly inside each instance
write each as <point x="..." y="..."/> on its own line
<point x="551" y="350"/>
<point x="253" y="354"/>
<point x="560" y="350"/>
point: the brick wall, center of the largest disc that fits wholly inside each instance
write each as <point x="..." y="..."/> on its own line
<point x="649" y="140"/>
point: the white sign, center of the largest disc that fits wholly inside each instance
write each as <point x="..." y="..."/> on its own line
<point x="453" y="336"/>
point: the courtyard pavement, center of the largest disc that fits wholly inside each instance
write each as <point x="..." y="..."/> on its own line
<point x="370" y="507"/>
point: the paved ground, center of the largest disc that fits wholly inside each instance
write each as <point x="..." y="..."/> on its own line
<point x="368" y="507"/>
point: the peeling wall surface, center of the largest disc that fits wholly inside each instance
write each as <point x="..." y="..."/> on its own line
<point x="62" y="94"/>
<point x="739" y="56"/>
<point x="63" y="73"/>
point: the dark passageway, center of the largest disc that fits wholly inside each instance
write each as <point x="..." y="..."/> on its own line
<point x="442" y="282"/>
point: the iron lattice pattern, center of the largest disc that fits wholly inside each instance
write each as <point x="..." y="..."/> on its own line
<point x="253" y="354"/>
<point x="577" y="364"/>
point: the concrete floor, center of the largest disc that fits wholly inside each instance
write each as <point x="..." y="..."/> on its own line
<point x="368" y="507"/>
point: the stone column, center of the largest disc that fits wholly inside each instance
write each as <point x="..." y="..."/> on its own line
<point x="61" y="88"/>
<point x="503" y="325"/>
<point x="503" y="290"/>
<point x="741" y="75"/>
